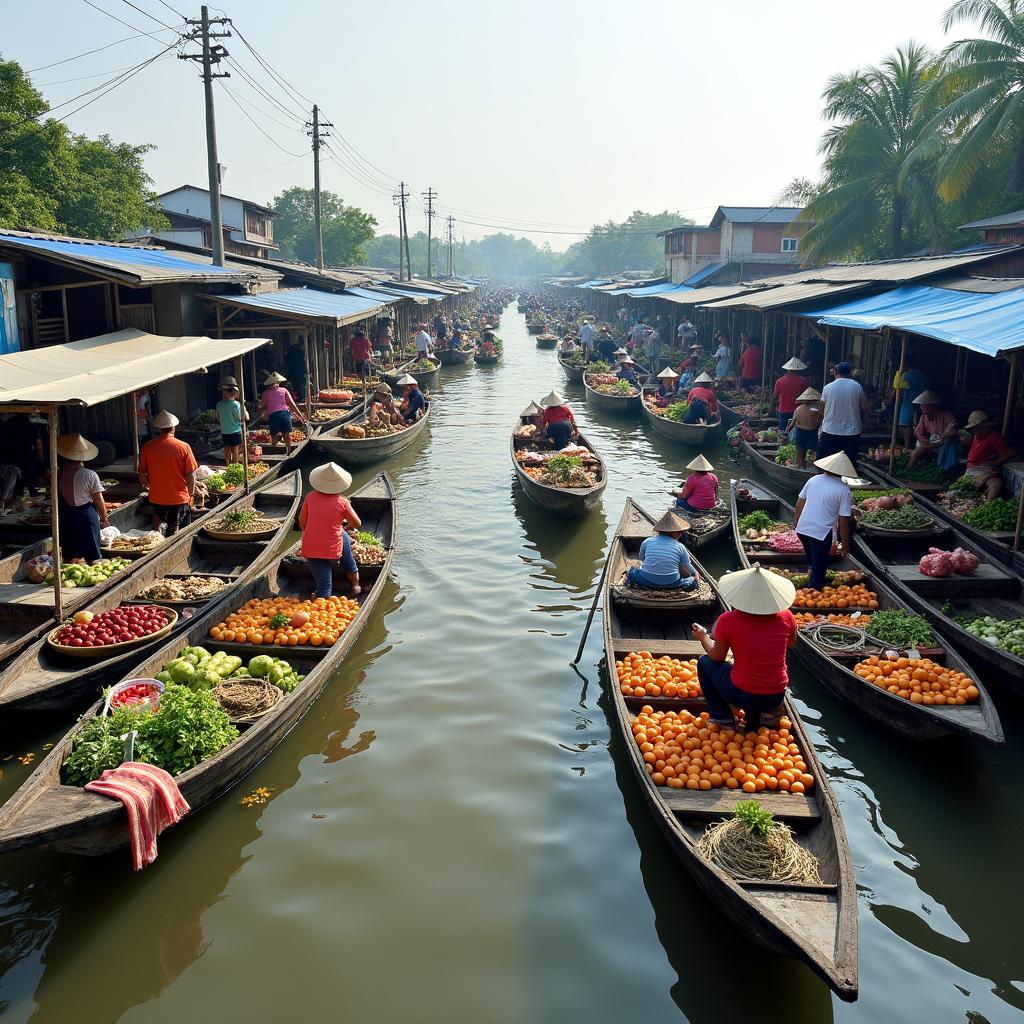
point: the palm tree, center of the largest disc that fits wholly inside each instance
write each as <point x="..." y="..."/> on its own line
<point x="981" y="92"/>
<point x="878" y="167"/>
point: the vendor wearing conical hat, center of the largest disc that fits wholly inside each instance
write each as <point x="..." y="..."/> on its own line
<point x="668" y="381"/>
<point x="759" y="630"/>
<point x="231" y="414"/>
<point x="787" y="388"/>
<point x="80" y="499"/>
<point x="278" y="407"/>
<point x="665" y="561"/>
<point x="700" y="491"/>
<point x="703" y="401"/>
<point x="559" y="422"/>
<point x="986" y="455"/>
<point x="167" y="469"/>
<point x="824" y="508"/>
<point x="325" y="517"/>
<point x="381" y="410"/>
<point x="936" y="432"/>
<point x="414" y="402"/>
<point x="804" y="424"/>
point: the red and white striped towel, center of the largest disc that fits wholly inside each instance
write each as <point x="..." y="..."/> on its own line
<point x="151" y="799"/>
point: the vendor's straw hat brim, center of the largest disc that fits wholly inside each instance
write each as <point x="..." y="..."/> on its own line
<point x="704" y="379"/>
<point x="406" y="379"/>
<point x="668" y="372"/>
<point x="76" y="448"/>
<point x="276" y="378"/>
<point x="671" y="523"/>
<point x="553" y="399"/>
<point x="810" y="395"/>
<point x="839" y="463"/>
<point x="701" y="464"/>
<point x="165" y="420"/>
<point x="533" y="409"/>
<point x="927" y="398"/>
<point x="795" y="364"/>
<point x="757" y="591"/>
<point x="330" y="478"/>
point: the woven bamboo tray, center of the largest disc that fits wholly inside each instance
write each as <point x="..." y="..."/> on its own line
<point x="95" y="653"/>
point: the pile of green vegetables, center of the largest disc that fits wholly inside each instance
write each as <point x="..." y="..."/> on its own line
<point x="786" y="455"/>
<point x="215" y="483"/>
<point x="187" y="727"/>
<point x="598" y="367"/>
<point x="74" y="574"/>
<point x="208" y="420"/>
<point x="866" y="495"/>
<point x="198" y="669"/>
<point x="963" y="485"/>
<point x="926" y="472"/>
<point x="759" y="521"/>
<point x="900" y="630"/>
<point x="1006" y="634"/>
<point x="998" y="516"/>
<point x="909" y="517"/>
<point x="677" y="411"/>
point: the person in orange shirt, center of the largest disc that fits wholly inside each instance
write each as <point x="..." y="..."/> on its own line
<point x="325" y="516"/>
<point x="167" y="469"/>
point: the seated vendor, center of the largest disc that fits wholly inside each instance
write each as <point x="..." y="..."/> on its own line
<point x="666" y="562"/>
<point x="627" y="371"/>
<point x="936" y="432"/>
<point x="668" y="380"/>
<point x="987" y="454"/>
<point x="700" y="491"/>
<point x="559" y="421"/>
<point x="414" y="402"/>
<point x="381" y="410"/>
<point x="703" y="401"/>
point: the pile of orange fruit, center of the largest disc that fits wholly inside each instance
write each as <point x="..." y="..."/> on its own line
<point x="919" y="680"/>
<point x="686" y="751"/>
<point x="328" y="618"/>
<point x="640" y="674"/>
<point x="857" y="596"/>
<point x="834" y="618"/>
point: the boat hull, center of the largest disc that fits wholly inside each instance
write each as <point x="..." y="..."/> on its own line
<point x="364" y="450"/>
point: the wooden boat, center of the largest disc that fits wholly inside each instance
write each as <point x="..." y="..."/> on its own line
<point x="342" y="415"/>
<point x="992" y="589"/>
<point x="361" y="450"/>
<point x="535" y="326"/>
<point x="43" y="813"/>
<point x="454" y="356"/>
<point x="43" y="679"/>
<point x="573" y="371"/>
<point x="427" y="378"/>
<point x="762" y="458"/>
<point x="915" y="721"/>
<point x="546" y="340"/>
<point x="730" y="416"/>
<point x="489" y="360"/>
<point x="620" y="404"/>
<point x="816" y="924"/>
<point x="390" y="375"/>
<point x="696" y="434"/>
<point x="562" y="501"/>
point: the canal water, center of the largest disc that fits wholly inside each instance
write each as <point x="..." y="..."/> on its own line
<point x="454" y="838"/>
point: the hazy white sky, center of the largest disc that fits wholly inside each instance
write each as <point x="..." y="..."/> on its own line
<point x="540" y="114"/>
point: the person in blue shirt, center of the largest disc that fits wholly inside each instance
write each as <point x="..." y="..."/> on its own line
<point x="666" y="562"/>
<point x="414" y="401"/>
<point x="626" y="371"/>
<point x="905" y="389"/>
<point x="229" y="410"/>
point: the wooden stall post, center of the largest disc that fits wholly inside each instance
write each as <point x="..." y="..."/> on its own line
<point x="309" y="380"/>
<point x="897" y="403"/>
<point x="132" y="401"/>
<point x="1011" y="392"/>
<point x="58" y="602"/>
<point x="1020" y="522"/>
<point x="764" y="357"/>
<point x="824" y="369"/>
<point x="245" y="433"/>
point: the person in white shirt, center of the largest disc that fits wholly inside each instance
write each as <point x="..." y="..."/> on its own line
<point x="825" y="505"/>
<point x="844" y="404"/>
<point x="587" y="332"/>
<point x="685" y="331"/>
<point x="79" y="495"/>
<point x="423" y="341"/>
<point x="638" y="335"/>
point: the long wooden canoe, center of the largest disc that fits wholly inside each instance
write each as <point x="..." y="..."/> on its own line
<point x="620" y="404"/>
<point x="454" y="356"/>
<point x="42" y="679"/>
<point x="992" y="589"/>
<point x="546" y="340"/>
<point x="362" y="450"/>
<point x="816" y="924"/>
<point x="562" y="501"/>
<point x="573" y="371"/>
<point x="43" y="813"/>
<point x="489" y="360"/>
<point x="535" y="326"/>
<point x="427" y="378"/>
<point x="390" y="375"/>
<point x="762" y="458"/>
<point x="694" y="434"/>
<point x="915" y="721"/>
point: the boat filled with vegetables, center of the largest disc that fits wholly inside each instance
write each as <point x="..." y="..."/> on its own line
<point x="607" y="392"/>
<point x="567" y="482"/>
<point x="359" y="443"/>
<point x="669" y="421"/>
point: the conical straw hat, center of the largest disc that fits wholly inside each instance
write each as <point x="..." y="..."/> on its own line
<point x="165" y="420"/>
<point x="757" y="591"/>
<point x="839" y="464"/>
<point x="620" y="352"/>
<point x="553" y="399"/>
<point x="275" y="378"/>
<point x="810" y="395"/>
<point x="927" y="398"/>
<point x="671" y="523"/>
<point x="76" y="448"/>
<point x="668" y="372"/>
<point x="704" y="379"/>
<point x="330" y="478"/>
<point x="977" y="419"/>
<point x="795" y="364"/>
<point x="700" y="463"/>
<point x="406" y="379"/>
<point x="533" y="409"/>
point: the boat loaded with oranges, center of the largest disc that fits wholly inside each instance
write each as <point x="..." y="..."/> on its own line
<point x="706" y="784"/>
<point x="241" y="694"/>
<point x="866" y="644"/>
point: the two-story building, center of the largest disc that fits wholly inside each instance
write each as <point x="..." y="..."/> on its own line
<point x="740" y="243"/>
<point x="1006" y="229"/>
<point x="248" y="227"/>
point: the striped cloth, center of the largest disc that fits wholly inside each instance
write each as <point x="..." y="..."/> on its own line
<point x="151" y="799"/>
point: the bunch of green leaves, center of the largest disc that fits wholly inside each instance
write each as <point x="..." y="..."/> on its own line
<point x="234" y="475"/>
<point x="900" y="630"/>
<point x="881" y="492"/>
<point x="215" y="483"/>
<point x="787" y="453"/>
<point x="677" y="411"/>
<point x="926" y="472"/>
<point x="754" y="816"/>
<point x="623" y="387"/>
<point x="963" y="485"/>
<point x="99" y="745"/>
<point x="758" y="520"/>
<point x="561" y="467"/>
<point x="365" y="537"/>
<point x="997" y="515"/>
<point x="598" y="367"/>
<point x="238" y="520"/>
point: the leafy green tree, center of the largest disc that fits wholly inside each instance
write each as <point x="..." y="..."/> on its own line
<point x="54" y="180"/>
<point x="346" y="230"/>
<point x="632" y="244"/>
<point x="879" y="161"/>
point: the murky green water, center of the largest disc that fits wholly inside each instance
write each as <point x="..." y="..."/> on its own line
<point x="453" y="839"/>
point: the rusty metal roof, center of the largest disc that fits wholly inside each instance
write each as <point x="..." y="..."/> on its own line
<point x="787" y="295"/>
<point x="896" y="271"/>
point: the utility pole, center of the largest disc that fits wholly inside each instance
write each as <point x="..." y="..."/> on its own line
<point x="430" y="195"/>
<point x="316" y="133"/>
<point x="211" y="55"/>
<point x="451" y="241"/>
<point x="403" y="239"/>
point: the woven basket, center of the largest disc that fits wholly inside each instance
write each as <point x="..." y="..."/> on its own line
<point x="260" y="685"/>
<point x="646" y="597"/>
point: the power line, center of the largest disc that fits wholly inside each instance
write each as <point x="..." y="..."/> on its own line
<point x="172" y="9"/>
<point x="253" y="84"/>
<point x="83" y="78"/>
<point x="88" y="53"/>
<point x="255" y="106"/>
<point x="126" y="24"/>
<point x="152" y="17"/>
<point x="234" y="99"/>
<point x="280" y="79"/>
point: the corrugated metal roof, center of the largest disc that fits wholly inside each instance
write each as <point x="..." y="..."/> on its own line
<point x="306" y="304"/>
<point x="132" y="264"/>
<point x="705" y="296"/>
<point x="1013" y="219"/>
<point x="704" y="274"/>
<point x="890" y="271"/>
<point x="397" y="288"/>
<point x="990" y="285"/>
<point x="381" y="294"/>
<point x="757" y="214"/>
<point x="786" y="295"/>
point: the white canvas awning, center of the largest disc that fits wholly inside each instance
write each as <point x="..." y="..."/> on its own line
<point x="95" y="370"/>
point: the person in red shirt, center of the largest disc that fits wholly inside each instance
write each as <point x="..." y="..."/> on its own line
<point x="559" y="421"/>
<point x="167" y="469"/>
<point x="325" y="517"/>
<point x="703" y="401"/>
<point x="986" y="455"/>
<point x="759" y="630"/>
<point x="750" y="362"/>
<point x="361" y="349"/>
<point x="787" y="389"/>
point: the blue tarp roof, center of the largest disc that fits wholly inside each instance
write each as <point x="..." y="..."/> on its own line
<point x="594" y="283"/>
<point x="308" y="302"/>
<point x="653" y="291"/>
<point x="704" y="274"/>
<point x="982" y="322"/>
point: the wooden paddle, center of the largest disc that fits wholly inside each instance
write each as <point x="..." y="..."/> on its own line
<point x="593" y="608"/>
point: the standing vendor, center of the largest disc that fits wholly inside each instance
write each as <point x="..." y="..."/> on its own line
<point x="278" y="406"/>
<point x="167" y="469"/>
<point x="825" y="507"/>
<point x="905" y="386"/>
<point x="803" y="427"/>
<point x="987" y="454"/>
<point x="229" y="412"/>
<point x="80" y="496"/>
<point x="787" y="388"/>
<point x="323" y="520"/>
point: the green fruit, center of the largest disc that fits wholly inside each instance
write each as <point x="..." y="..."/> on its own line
<point x="204" y="679"/>
<point x="181" y="671"/>
<point x="261" y="665"/>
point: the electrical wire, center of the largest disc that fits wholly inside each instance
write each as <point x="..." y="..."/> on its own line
<point x="152" y="17"/>
<point x="290" y="89"/>
<point x="254" y="123"/>
<point x="267" y="170"/>
<point x="88" y="53"/>
<point x="253" y="84"/>
<point x="83" y="78"/>
<point x="293" y="127"/>
<point x="172" y="9"/>
<point x="134" y="28"/>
